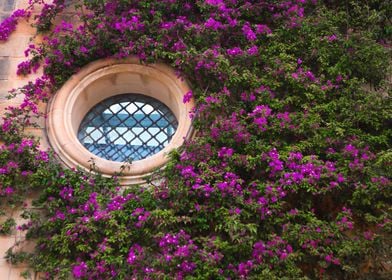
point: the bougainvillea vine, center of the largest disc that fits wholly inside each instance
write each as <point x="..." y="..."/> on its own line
<point x="288" y="175"/>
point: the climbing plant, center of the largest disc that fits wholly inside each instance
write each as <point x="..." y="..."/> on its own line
<point x="287" y="177"/>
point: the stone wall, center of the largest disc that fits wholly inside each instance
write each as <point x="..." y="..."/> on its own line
<point x="11" y="54"/>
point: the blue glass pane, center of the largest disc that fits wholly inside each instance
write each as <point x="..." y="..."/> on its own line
<point x="127" y="127"/>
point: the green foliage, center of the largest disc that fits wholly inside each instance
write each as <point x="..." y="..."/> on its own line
<point x="287" y="177"/>
<point x="7" y="226"/>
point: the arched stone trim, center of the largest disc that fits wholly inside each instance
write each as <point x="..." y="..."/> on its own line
<point x="100" y="80"/>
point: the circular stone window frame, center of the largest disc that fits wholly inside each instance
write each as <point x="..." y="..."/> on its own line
<point x="100" y="80"/>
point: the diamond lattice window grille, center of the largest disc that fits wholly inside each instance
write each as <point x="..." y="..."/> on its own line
<point x="127" y="127"/>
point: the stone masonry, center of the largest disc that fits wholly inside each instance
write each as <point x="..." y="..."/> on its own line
<point x="11" y="54"/>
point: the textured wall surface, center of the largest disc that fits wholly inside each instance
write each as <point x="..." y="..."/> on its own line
<point x="11" y="54"/>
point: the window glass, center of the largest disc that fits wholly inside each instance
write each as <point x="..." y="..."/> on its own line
<point x="127" y="127"/>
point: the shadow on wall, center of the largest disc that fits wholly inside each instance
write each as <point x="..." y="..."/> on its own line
<point x="6" y="7"/>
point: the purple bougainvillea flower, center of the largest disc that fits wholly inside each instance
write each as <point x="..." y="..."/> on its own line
<point x="187" y="97"/>
<point x="79" y="270"/>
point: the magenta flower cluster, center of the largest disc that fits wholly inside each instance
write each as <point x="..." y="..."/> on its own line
<point x="8" y="25"/>
<point x="287" y="175"/>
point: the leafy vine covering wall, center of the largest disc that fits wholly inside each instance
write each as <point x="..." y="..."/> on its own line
<point x="287" y="177"/>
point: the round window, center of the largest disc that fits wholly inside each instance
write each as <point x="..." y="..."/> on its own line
<point x="119" y="111"/>
<point x="127" y="127"/>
